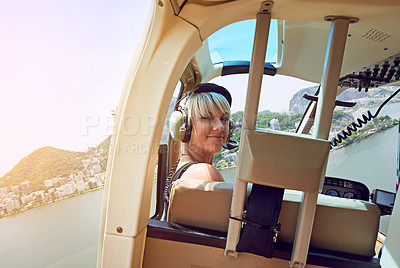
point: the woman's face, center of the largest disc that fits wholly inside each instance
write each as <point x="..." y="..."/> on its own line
<point x="210" y="132"/>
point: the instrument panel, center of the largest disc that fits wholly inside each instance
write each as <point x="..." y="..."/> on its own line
<point x="345" y="188"/>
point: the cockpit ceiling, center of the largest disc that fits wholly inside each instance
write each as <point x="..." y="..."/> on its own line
<point x="374" y="38"/>
<point x="305" y="45"/>
<point x="210" y="15"/>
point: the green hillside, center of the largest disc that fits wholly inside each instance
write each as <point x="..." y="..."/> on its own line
<point x="44" y="163"/>
<point x="103" y="148"/>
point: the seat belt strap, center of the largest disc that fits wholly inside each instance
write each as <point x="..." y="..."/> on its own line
<point x="260" y="220"/>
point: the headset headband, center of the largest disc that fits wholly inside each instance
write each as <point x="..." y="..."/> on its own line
<point x="210" y="87"/>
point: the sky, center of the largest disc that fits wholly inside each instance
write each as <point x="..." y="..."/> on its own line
<point x="62" y="68"/>
<point x="276" y="91"/>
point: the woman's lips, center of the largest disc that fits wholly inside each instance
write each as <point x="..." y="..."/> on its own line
<point x="216" y="137"/>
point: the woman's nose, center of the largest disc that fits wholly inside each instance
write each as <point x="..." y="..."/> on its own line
<point x="218" y="125"/>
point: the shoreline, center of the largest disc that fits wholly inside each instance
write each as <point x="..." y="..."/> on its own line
<point x="45" y="203"/>
<point x="369" y="133"/>
<point x="226" y="167"/>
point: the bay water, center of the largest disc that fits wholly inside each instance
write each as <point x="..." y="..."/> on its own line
<point x="65" y="234"/>
<point x="58" y="235"/>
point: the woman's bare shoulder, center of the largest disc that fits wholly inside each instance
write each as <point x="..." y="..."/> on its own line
<point x="202" y="171"/>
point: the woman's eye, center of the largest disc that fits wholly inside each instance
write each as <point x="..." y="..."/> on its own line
<point x="206" y="117"/>
<point x="224" y="119"/>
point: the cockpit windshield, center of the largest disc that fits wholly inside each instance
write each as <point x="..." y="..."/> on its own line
<point x="235" y="42"/>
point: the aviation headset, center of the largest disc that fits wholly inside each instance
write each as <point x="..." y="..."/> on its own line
<point x="179" y="124"/>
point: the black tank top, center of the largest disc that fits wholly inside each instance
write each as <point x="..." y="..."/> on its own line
<point x="176" y="176"/>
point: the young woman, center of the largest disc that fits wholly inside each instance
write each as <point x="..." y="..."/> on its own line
<point x="206" y="115"/>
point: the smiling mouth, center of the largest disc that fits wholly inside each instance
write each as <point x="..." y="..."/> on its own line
<point x="216" y="137"/>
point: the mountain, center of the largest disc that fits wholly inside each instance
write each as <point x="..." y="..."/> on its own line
<point x="42" y="164"/>
<point x="48" y="162"/>
<point x="298" y="104"/>
<point x="102" y="150"/>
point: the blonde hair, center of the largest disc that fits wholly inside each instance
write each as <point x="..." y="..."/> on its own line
<point x="205" y="104"/>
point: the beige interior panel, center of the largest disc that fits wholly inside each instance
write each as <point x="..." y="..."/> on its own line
<point x="340" y="224"/>
<point x="344" y="225"/>
<point x="167" y="254"/>
<point x="282" y="159"/>
<point x="312" y="38"/>
<point x="138" y="127"/>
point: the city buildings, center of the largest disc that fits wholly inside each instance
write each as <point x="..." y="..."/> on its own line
<point x="24" y="186"/>
<point x="18" y="197"/>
